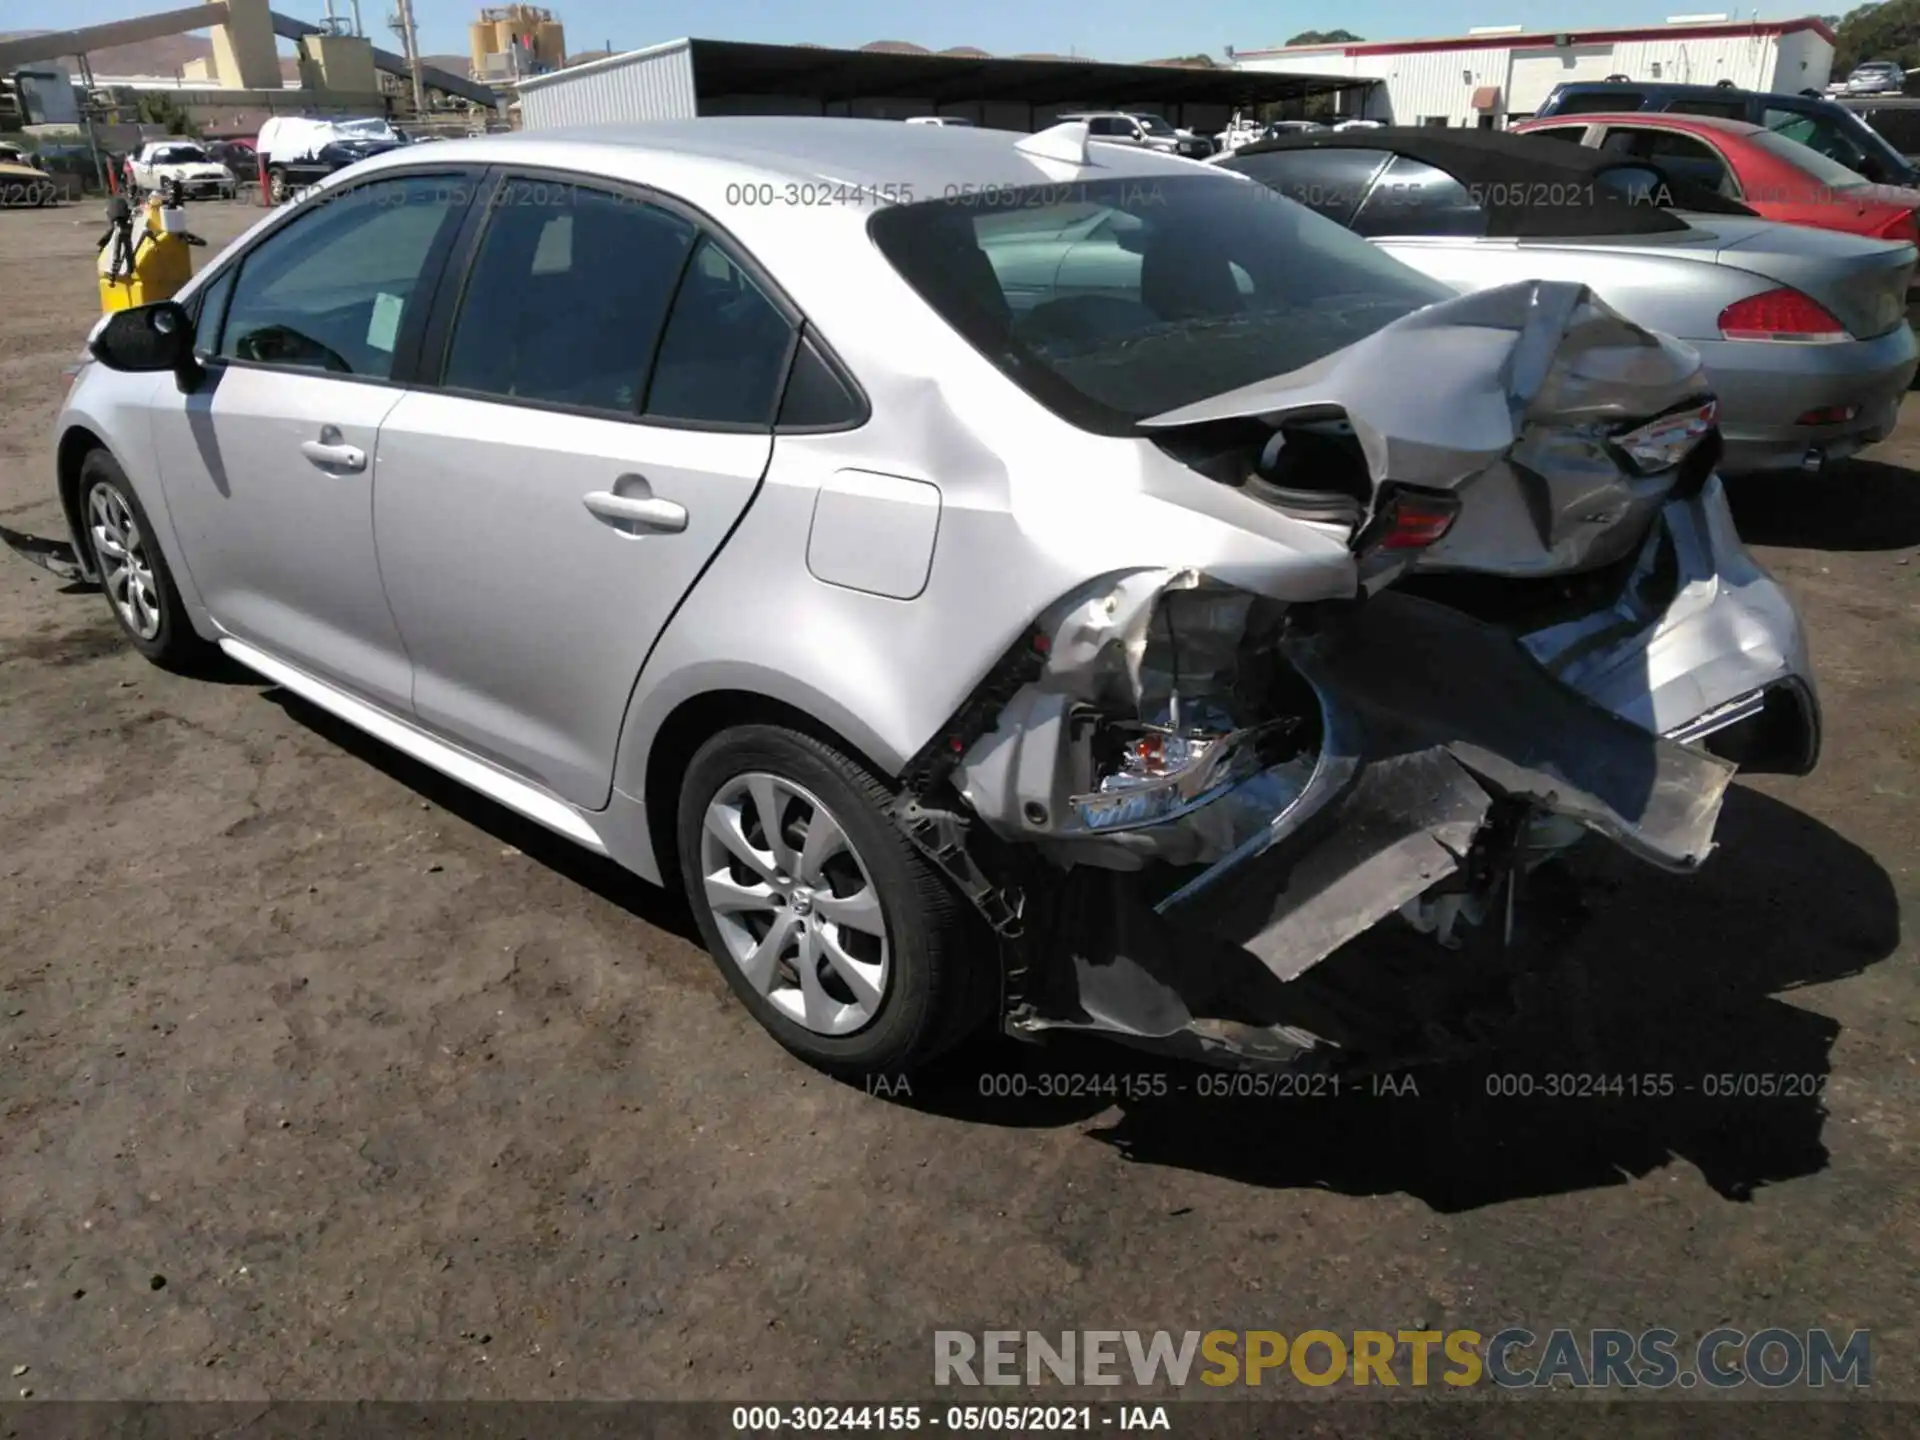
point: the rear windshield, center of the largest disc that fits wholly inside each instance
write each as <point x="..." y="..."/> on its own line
<point x="1115" y="300"/>
<point x="1823" y="168"/>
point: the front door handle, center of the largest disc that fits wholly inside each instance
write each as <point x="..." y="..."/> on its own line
<point x="647" y="512"/>
<point x="334" y="457"/>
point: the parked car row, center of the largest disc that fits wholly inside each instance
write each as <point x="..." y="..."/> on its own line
<point x="1074" y="610"/>
<point x="1802" y="330"/>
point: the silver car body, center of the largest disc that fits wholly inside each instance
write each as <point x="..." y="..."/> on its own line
<point x="1680" y="282"/>
<point x="327" y="534"/>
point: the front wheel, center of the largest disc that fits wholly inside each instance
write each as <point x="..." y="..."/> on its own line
<point x="832" y="929"/>
<point x="139" y="587"/>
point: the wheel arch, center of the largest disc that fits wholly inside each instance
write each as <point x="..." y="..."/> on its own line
<point x="70" y="455"/>
<point x="694" y="721"/>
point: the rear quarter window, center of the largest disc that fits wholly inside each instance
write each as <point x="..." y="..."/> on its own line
<point x="1589" y="103"/>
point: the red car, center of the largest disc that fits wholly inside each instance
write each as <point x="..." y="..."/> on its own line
<point x="1769" y="171"/>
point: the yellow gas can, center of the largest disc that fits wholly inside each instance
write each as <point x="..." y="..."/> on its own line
<point x="144" y="257"/>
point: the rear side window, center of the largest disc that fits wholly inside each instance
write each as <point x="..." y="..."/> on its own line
<point x="725" y="349"/>
<point x="816" y="397"/>
<point x="1820" y="135"/>
<point x="1413" y="198"/>
<point x="1828" y="172"/>
<point x="567" y="297"/>
<point x="1590" y="103"/>
<point x="1899" y="126"/>
<point x="1680" y="156"/>
<point x="1569" y="134"/>
<point x="1197" y="285"/>
<point x="332" y="290"/>
<point x="1328" y="182"/>
<point x="1724" y="109"/>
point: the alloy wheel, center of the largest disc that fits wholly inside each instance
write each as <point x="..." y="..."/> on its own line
<point x="125" y="569"/>
<point x="794" y="903"/>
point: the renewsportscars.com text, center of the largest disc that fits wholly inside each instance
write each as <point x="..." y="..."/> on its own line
<point x="1513" y="1358"/>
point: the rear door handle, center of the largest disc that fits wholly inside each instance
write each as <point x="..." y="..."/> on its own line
<point x="334" y="457"/>
<point x="647" y="512"/>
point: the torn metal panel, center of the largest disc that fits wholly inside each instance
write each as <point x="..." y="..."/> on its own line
<point x="1513" y="396"/>
<point x="1715" y="629"/>
<point x="1405" y="826"/>
<point x="57" y="557"/>
<point x="1419" y="674"/>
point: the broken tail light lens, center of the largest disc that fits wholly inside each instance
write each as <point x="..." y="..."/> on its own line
<point x="1783" y="314"/>
<point x="1411" y="520"/>
<point x="1664" y="442"/>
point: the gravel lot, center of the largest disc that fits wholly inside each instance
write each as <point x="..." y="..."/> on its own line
<point x="320" y="1078"/>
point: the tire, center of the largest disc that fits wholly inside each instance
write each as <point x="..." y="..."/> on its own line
<point x="145" y="602"/>
<point x="930" y="975"/>
<point x="278" y="189"/>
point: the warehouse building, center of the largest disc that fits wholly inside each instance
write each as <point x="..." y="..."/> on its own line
<point x="890" y="80"/>
<point x="1498" y="74"/>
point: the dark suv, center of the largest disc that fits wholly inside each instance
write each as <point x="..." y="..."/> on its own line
<point x="1833" y="130"/>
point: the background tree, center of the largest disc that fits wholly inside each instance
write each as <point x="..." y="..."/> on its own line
<point x="1325" y="37"/>
<point x="1889" y="31"/>
<point x="158" y="109"/>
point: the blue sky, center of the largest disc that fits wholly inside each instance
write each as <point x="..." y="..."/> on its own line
<point x="1102" y="29"/>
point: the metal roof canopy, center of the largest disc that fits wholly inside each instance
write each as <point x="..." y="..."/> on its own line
<point x="735" y="67"/>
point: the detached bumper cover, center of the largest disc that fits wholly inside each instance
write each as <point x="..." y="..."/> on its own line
<point x="1439" y="730"/>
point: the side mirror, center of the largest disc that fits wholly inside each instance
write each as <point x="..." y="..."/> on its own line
<point x="146" y="339"/>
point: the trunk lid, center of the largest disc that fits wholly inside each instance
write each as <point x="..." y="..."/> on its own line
<point x="1511" y="401"/>
<point x="1860" y="280"/>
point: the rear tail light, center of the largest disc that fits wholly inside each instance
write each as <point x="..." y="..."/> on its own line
<point x="1781" y="314"/>
<point x="1413" y="520"/>
<point x="1829" y="415"/>
<point x="1903" y="226"/>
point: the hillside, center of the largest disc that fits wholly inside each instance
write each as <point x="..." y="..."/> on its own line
<point x="171" y="53"/>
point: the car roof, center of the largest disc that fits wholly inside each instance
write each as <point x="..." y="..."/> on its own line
<point x="708" y="154"/>
<point x="1508" y="169"/>
<point x="1654" y="87"/>
<point x="1665" y="119"/>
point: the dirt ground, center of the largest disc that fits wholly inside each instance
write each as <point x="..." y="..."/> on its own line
<point x="322" y="1078"/>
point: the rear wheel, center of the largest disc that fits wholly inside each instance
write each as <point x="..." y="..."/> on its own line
<point x="278" y="186"/>
<point x="133" y="573"/>
<point x="834" y="931"/>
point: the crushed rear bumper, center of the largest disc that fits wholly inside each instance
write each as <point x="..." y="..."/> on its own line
<point x="1455" y="755"/>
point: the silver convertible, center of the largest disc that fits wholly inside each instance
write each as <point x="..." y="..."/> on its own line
<point x="1803" y="331"/>
<point x="1073" y="655"/>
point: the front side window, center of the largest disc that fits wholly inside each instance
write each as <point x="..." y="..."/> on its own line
<point x="1195" y="285"/>
<point x="567" y="297"/>
<point x="332" y="289"/>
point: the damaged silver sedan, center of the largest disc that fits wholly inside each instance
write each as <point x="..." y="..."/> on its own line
<point x="1097" y="636"/>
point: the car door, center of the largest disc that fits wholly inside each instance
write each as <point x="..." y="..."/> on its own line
<point x="607" y="375"/>
<point x="267" y="468"/>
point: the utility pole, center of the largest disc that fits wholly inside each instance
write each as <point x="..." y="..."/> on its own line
<point x="413" y="60"/>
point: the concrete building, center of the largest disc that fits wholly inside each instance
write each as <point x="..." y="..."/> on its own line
<point x="891" y="80"/>
<point x="1497" y="74"/>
